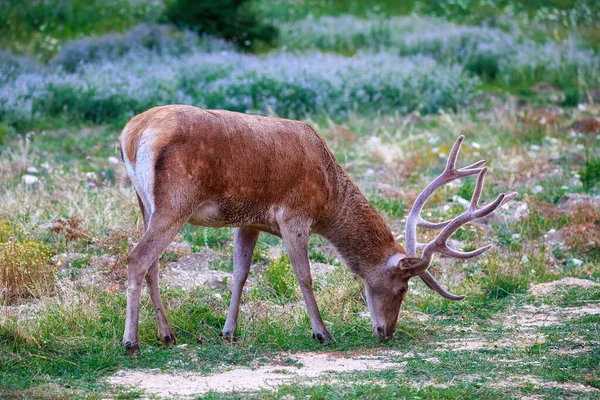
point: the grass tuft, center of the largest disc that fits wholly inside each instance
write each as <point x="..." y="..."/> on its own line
<point x="25" y="268"/>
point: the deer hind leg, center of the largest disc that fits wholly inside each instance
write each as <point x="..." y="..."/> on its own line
<point x="165" y="334"/>
<point x="159" y="233"/>
<point x="244" y="241"/>
<point x="295" y="238"/>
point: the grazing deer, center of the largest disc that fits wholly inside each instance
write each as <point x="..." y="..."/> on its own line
<point x="221" y="168"/>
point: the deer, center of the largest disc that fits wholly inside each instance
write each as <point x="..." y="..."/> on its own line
<point x="218" y="168"/>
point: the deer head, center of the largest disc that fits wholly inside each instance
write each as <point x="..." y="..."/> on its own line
<point x="385" y="292"/>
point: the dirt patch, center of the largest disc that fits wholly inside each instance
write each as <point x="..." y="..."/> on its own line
<point x="517" y="381"/>
<point x="552" y="288"/>
<point x="194" y="270"/>
<point x="533" y="317"/>
<point x="521" y="328"/>
<point x="307" y="368"/>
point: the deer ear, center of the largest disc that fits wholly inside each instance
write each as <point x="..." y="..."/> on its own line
<point x="412" y="266"/>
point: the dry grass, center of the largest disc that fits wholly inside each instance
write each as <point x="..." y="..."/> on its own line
<point x="25" y="268"/>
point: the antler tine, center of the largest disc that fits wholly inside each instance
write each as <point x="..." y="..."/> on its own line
<point x="432" y="225"/>
<point x="508" y="198"/>
<point x="478" y="188"/>
<point x="435" y="286"/>
<point x="451" y="164"/>
<point x="447" y="251"/>
<point x="478" y="164"/>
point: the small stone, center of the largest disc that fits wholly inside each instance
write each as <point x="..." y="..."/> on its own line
<point x="460" y="200"/>
<point x="113" y="160"/>
<point x="29" y="179"/>
<point x="577" y="262"/>
<point x="32" y="170"/>
<point x="537" y="189"/>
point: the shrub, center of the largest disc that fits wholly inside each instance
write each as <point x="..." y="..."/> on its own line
<point x="143" y="38"/>
<point x="233" y="20"/>
<point x="290" y="85"/>
<point x="281" y="279"/>
<point x="24" y="265"/>
<point x="509" y="58"/>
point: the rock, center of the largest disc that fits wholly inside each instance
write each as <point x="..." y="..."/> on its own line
<point x="113" y="160"/>
<point x="551" y="288"/>
<point x="29" y="179"/>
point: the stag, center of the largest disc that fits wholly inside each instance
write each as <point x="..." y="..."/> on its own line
<point x="218" y="168"/>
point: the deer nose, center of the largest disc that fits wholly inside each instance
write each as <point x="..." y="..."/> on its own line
<point x="382" y="333"/>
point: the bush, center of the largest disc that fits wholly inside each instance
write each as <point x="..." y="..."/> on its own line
<point x="25" y="268"/>
<point x="289" y="85"/>
<point x="151" y="39"/>
<point x="508" y="58"/>
<point x="233" y="20"/>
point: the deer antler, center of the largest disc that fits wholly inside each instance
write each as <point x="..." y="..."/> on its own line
<point x="439" y="244"/>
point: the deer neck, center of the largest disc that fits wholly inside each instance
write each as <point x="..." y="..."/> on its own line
<point x="360" y="236"/>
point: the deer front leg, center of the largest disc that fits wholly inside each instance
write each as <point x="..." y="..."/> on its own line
<point x="295" y="239"/>
<point x="244" y="241"/>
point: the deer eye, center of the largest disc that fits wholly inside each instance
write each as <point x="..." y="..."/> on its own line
<point x="402" y="290"/>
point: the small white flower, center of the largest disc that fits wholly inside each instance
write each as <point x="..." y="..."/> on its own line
<point x="537" y="189"/>
<point x="577" y="262"/>
<point x="32" y="170"/>
<point x="113" y="160"/>
<point x="476" y="145"/>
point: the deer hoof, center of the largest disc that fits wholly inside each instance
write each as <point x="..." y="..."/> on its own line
<point x="323" y="337"/>
<point x="133" y="349"/>
<point x="228" y="337"/>
<point x="168" y="340"/>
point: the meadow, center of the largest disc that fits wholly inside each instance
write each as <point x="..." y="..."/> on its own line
<point x="389" y="85"/>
